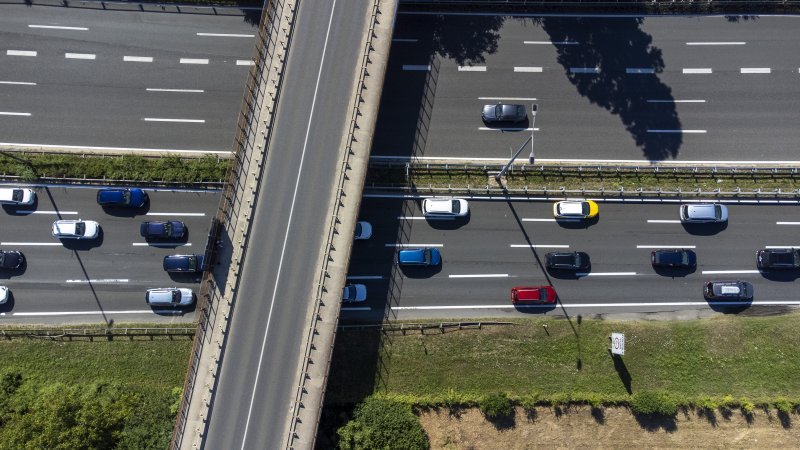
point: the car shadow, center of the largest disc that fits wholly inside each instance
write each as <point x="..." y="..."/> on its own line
<point x="178" y="310"/>
<point x="537" y="309"/>
<point x="512" y="127"/>
<point x="784" y="276"/>
<point x="117" y="211"/>
<point x="420" y="272"/>
<point x="577" y="224"/>
<point x="729" y="307"/>
<point x="83" y="244"/>
<point x="7" y="274"/>
<point x="449" y="224"/>
<point x="186" y="277"/>
<point x="169" y="243"/>
<point x="563" y="274"/>
<point x="704" y="229"/>
<point x="675" y="272"/>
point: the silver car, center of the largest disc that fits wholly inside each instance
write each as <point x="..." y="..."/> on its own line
<point x="444" y="207"/>
<point x="169" y="297"/>
<point x="703" y="213"/>
<point x="76" y="229"/>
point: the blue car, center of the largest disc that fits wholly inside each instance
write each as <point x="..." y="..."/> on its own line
<point x="425" y="257"/>
<point x="123" y="197"/>
<point x="184" y="263"/>
<point x="162" y="229"/>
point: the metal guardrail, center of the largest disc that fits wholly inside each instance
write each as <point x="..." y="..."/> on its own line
<point x="403" y="327"/>
<point x="334" y="219"/>
<point x="91" y="333"/>
<point x="208" y="185"/>
<point x="597" y="3"/>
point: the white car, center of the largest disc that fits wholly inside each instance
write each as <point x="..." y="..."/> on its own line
<point x="354" y="293"/>
<point x="76" y="229"/>
<point x="363" y="230"/>
<point x="169" y="297"/>
<point x="17" y="196"/>
<point x="3" y="295"/>
<point x="445" y="207"/>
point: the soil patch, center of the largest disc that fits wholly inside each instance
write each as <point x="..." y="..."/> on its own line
<point x="608" y="428"/>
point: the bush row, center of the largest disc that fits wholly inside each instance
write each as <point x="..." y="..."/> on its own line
<point x="32" y="167"/>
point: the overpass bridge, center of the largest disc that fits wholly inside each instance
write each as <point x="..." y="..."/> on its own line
<point x="284" y="230"/>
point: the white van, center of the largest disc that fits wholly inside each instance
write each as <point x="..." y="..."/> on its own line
<point x="17" y="196"/>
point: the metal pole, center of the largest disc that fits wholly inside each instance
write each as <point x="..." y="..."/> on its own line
<point x="534" y="110"/>
<point x="502" y="172"/>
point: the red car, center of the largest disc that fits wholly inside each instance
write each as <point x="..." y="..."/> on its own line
<point x="533" y="294"/>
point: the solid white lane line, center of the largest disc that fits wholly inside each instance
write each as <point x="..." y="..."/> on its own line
<point x="200" y="91"/>
<point x="531" y="69"/>
<point x="154" y="119"/>
<point x="507" y="129"/>
<point x="9" y="113"/>
<point x="713" y="272"/>
<point x="634" y="70"/>
<point x="417" y="67"/>
<point x="663" y="221"/>
<point x="787" y="223"/>
<point x="132" y="149"/>
<point x="524" y="99"/>
<point x="641" y="162"/>
<point x="36" y="244"/>
<point x="57" y="27"/>
<point x="193" y="61"/>
<point x="716" y="43"/>
<point x="483" y="275"/>
<point x="365" y="277"/>
<point x="605" y="274"/>
<point x="550" y="42"/>
<point x="75" y="313"/>
<point x="472" y="68"/>
<point x="55" y="212"/>
<point x="161" y="244"/>
<point x="245" y="62"/>
<point x="676" y="101"/>
<point x="20" y="53"/>
<point x="592" y="70"/>
<point x="678" y="131"/>
<point x="593" y="305"/>
<point x="80" y="56"/>
<point x="21" y="83"/>
<point x="226" y="35"/>
<point x="404" y="40"/>
<point x="175" y="214"/>
<point x="137" y="58"/>
<point x="100" y="281"/>
<point x="697" y="71"/>
<point x="413" y="245"/>
<point x="666" y="246"/>
<point x="538" y="246"/>
<point x="538" y="220"/>
<point x="781" y="246"/>
<point x="755" y="70"/>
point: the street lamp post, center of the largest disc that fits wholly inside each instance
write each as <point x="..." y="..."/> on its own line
<point x="499" y="176"/>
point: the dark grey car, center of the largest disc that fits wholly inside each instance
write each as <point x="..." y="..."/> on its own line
<point x="11" y="259"/>
<point x="567" y="261"/>
<point x="502" y="112"/>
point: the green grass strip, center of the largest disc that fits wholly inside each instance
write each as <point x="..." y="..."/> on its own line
<point x="565" y="360"/>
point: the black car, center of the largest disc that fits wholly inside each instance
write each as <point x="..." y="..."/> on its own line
<point x="673" y="258"/>
<point x="728" y="290"/>
<point x="162" y="229"/>
<point x="503" y="113"/>
<point x="779" y="258"/>
<point x="184" y="263"/>
<point x="122" y="197"/>
<point x="11" y="259"/>
<point x="567" y="261"/>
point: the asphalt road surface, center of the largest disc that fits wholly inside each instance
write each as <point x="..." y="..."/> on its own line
<point x="490" y="252"/>
<point x="645" y="89"/>
<point x="259" y="369"/>
<point x="125" y="79"/>
<point x="104" y="279"/>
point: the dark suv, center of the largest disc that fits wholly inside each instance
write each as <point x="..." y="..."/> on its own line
<point x="122" y="197"/>
<point x="567" y="261"/>
<point x="728" y="290"/>
<point x="11" y="259"/>
<point x="162" y="229"/>
<point x="673" y="258"/>
<point x="779" y="258"/>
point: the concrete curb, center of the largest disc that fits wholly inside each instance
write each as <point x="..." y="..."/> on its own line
<point x="174" y="8"/>
<point x="610" y="163"/>
<point x="113" y="151"/>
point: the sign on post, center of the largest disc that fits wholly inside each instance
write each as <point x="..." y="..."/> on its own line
<point x="618" y="343"/>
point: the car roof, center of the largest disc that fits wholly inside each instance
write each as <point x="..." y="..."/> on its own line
<point x="570" y="207"/>
<point x="412" y="255"/>
<point x="440" y="204"/>
<point x="703" y="210"/>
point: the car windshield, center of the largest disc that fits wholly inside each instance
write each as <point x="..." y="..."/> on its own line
<point x="16" y="195"/>
<point x="191" y="261"/>
<point x="585" y="208"/>
<point x="358" y="229"/>
<point x="126" y="196"/>
<point x="456" y="206"/>
<point x="349" y="292"/>
<point x="498" y="110"/>
<point x="717" y="212"/>
<point x="80" y="228"/>
<point x="176" y="296"/>
<point x="168" y="228"/>
<point x="426" y="254"/>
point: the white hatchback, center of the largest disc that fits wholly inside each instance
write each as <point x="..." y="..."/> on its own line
<point x="17" y="196"/>
<point x="76" y="229"/>
<point x="444" y="207"/>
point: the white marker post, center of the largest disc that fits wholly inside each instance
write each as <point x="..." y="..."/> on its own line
<point x="617" y="344"/>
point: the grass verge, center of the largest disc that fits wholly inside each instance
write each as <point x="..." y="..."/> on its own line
<point x="751" y="359"/>
<point x="167" y="168"/>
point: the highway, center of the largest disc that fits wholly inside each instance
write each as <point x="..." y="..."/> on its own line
<point x="258" y="373"/>
<point x="490" y="252"/>
<point x="103" y="279"/>
<point x="138" y="80"/>
<point x="681" y="88"/>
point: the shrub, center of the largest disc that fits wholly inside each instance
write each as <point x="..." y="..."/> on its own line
<point x="706" y="403"/>
<point x="529" y="402"/>
<point x="380" y="423"/>
<point x="496" y="406"/>
<point x="747" y="406"/>
<point x="783" y="405"/>
<point x="650" y="403"/>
